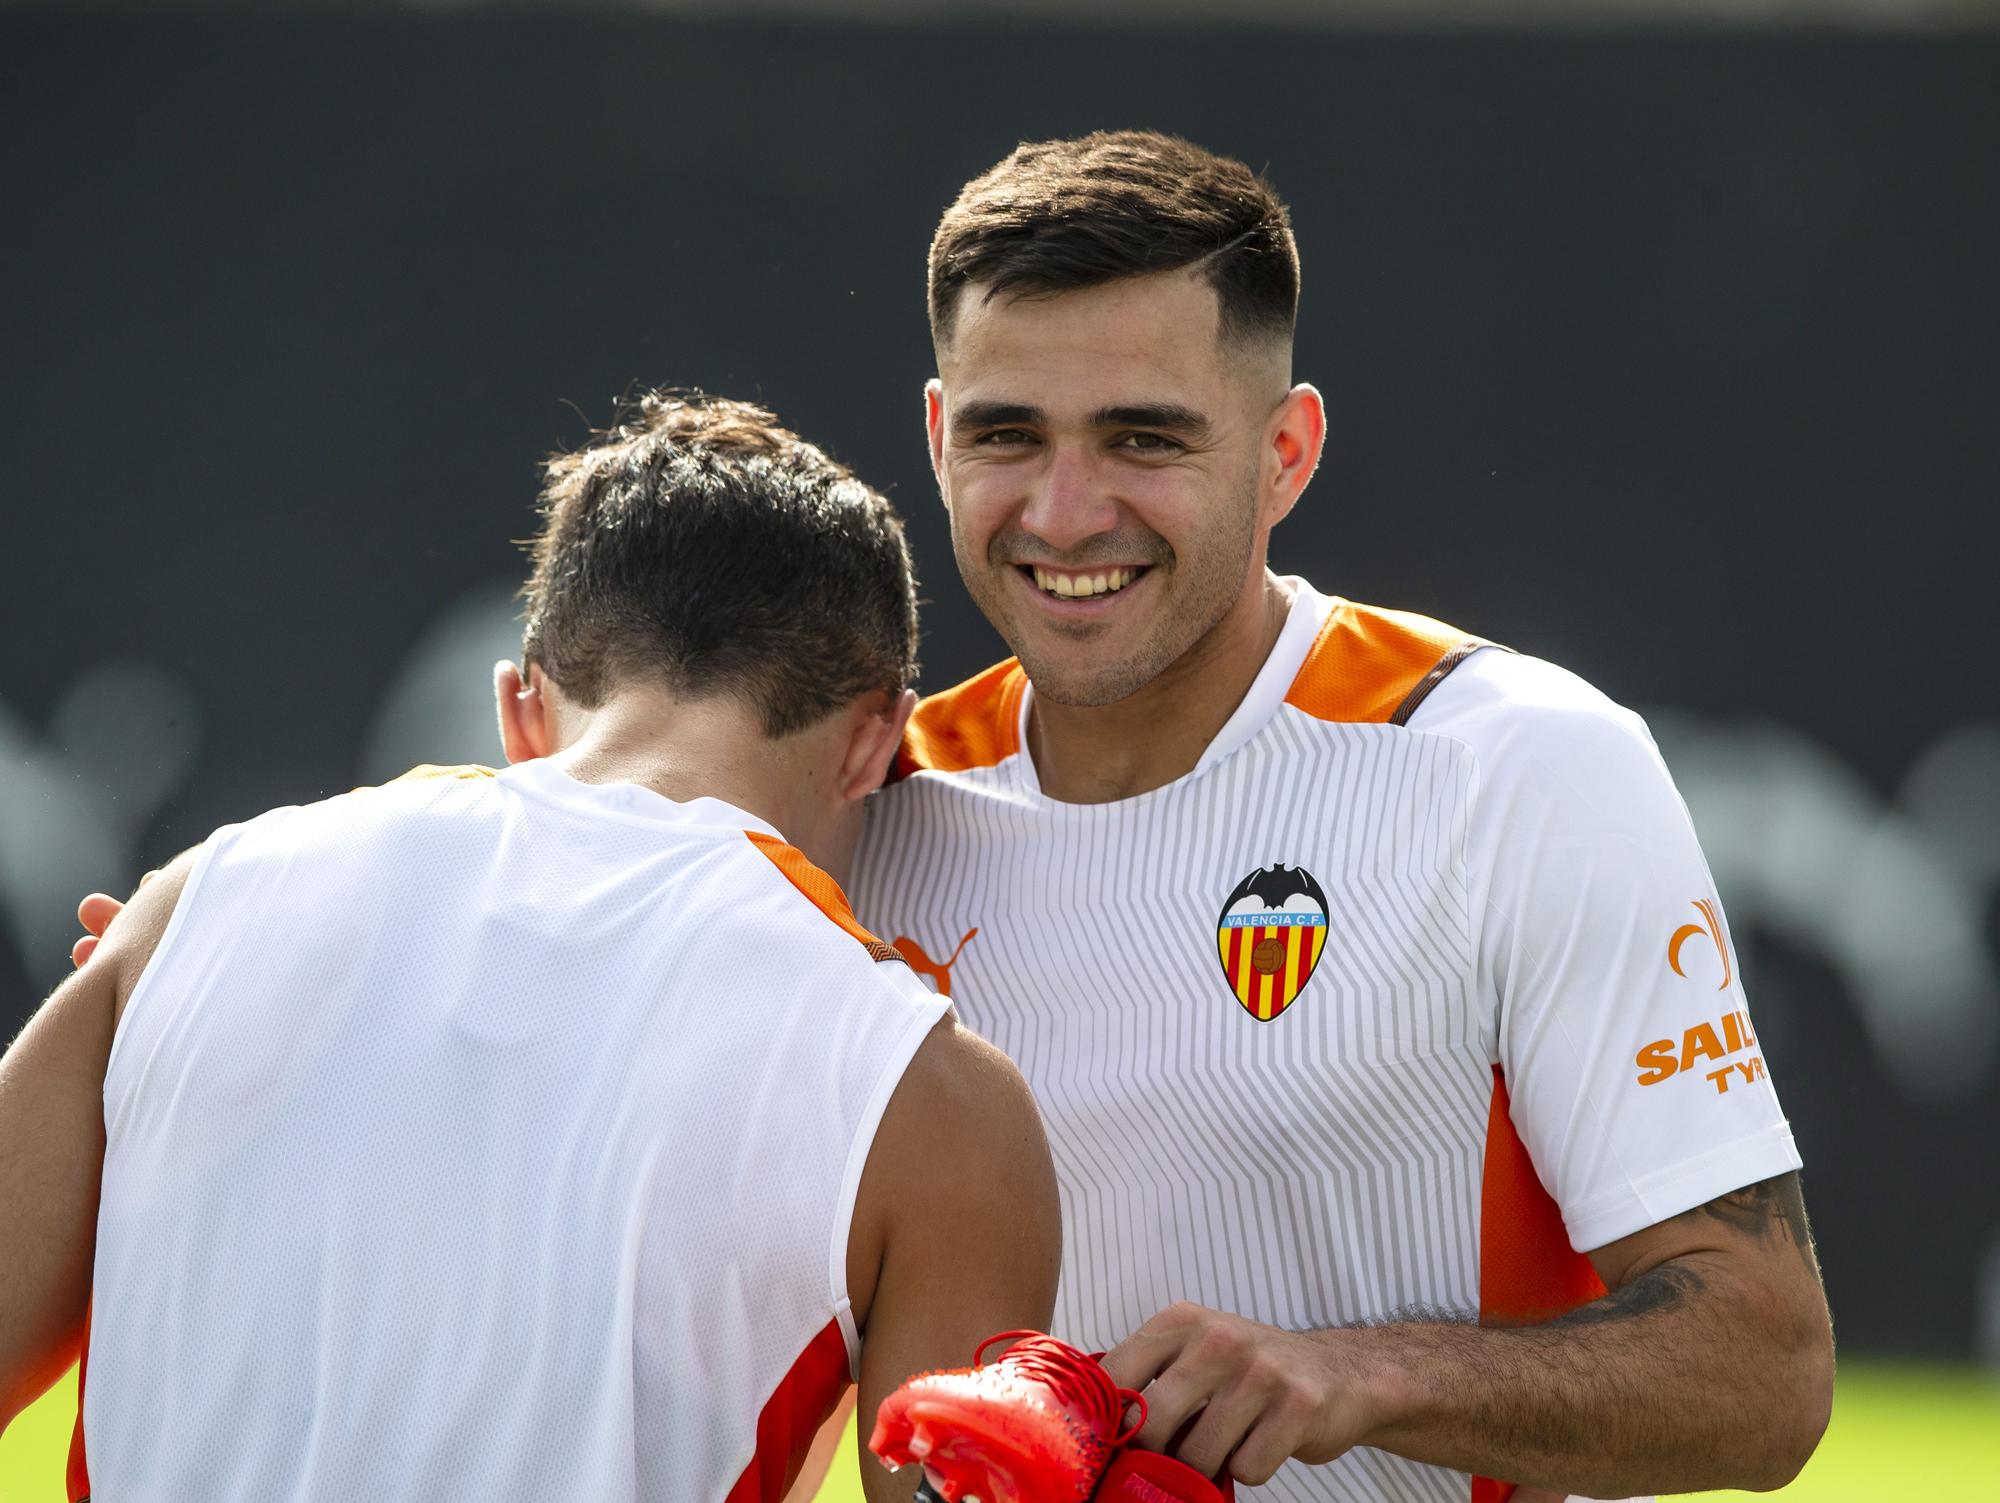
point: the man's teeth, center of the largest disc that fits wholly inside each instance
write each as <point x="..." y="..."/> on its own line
<point x="1084" y="586"/>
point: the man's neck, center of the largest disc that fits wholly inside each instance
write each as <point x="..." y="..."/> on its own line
<point x="1097" y="754"/>
<point x="683" y="750"/>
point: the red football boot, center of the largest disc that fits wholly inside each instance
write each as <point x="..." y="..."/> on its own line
<point x="1149" y="1477"/>
<point x="1039" y="1425"/>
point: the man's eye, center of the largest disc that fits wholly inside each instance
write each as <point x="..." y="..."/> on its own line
<point x="1148" y="443"/>
<point x="1004" y="437"/>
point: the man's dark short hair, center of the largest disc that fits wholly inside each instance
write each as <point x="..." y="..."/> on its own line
<point x="1060" y="215"/>
<point x="702" y="546"/>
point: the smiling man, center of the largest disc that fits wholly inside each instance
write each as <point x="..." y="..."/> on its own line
<point x="1411" y="1130"/>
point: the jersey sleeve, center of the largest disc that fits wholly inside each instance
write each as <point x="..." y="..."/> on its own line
<point x="1635" y="1077"/>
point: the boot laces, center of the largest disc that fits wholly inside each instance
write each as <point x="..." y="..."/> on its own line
<point x="1076" y="1378"/>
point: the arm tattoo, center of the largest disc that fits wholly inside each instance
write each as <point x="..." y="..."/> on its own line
<point x="1770" y="1208"/>
<point x="1653" y="1293"/>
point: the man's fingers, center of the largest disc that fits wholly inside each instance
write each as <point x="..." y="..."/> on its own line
<point x="1224" y="1421"/>
<point x="1268" y="1446"/>
<point x="1140" y="1358"/>
<point x="1151" y="1350"/>
<point x="97" y="911"/>
<point x="1170" y="1402"/>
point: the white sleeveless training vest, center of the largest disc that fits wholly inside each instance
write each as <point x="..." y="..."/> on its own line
<point x="488" y="1137"/>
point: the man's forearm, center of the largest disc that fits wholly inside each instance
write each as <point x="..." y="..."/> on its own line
<point x="1710" y="1364"/>
<point x="1689" y="1376"/>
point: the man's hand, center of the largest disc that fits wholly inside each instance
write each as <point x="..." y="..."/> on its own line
<point x="95" y="913"/>
<point x="1263" y="1395"/>
<point x="1708" y="1364"/>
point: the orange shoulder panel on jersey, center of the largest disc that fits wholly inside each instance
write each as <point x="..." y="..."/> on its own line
<point x="977" y="724"/>
<point x="823" y="892"/>
<point x="1369" y="664"/>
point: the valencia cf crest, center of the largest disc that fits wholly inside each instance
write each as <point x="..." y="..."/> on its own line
<point x="1270" y="934"/>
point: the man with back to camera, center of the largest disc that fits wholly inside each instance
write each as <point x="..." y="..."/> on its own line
<point x="547" y="1133"/>
<point x="1369" y="976"/>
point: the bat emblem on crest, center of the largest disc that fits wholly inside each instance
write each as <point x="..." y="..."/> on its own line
<point x="1269" y="936"/>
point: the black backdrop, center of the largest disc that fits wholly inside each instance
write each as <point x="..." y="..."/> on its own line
<point x="1669" y="357"/>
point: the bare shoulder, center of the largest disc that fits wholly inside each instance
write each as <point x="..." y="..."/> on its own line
<point x="960" y="1158"/>
<point x="959" y="1073"/>
<point x="961" y="1103"/>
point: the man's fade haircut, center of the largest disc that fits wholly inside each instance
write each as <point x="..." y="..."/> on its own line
<point x="1056" y="216"/>
<point x="700" y="545"/>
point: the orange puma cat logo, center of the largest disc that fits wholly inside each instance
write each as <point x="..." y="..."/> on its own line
<point x="940" y="973"/>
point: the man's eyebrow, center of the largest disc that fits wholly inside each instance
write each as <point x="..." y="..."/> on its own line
<point x="996" y="414"/>
<point x="1168" y="415"/>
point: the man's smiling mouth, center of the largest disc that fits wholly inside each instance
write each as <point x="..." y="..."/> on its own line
<point x="1082" y="584"/>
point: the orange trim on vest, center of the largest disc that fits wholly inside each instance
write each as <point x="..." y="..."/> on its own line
<point x="77" y="1475"/>
<point x="1366" y="661"/>
<point x="976" y="724"/>
<point x="821" y="890"/>
<point x="1528" y="1272"/>
<point x="791" y="1417"/>
<point x="425" y="771"/>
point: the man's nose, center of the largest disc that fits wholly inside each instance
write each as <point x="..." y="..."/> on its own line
<point x="1069" y="505"/>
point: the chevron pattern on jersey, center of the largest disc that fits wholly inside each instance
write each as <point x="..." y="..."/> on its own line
<point x="1316" y="1169"/>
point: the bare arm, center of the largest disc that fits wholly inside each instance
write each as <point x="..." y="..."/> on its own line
<point x="52" y="1151"/>
<point x="819" y="1459"/>
<point x="957" y="1226"/>
<point x="1709" y="1364"/>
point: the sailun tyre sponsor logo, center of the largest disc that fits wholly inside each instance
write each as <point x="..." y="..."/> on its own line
<point x="1269" y="936"/>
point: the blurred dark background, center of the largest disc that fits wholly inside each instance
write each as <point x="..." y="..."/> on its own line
<point x="1667" y="354"/>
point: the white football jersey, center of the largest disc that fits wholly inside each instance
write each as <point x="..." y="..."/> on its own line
<point x="1412" y="991"/>
<point x="491" y="1137"/>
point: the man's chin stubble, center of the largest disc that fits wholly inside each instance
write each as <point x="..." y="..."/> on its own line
<point x="1087" y="690"/>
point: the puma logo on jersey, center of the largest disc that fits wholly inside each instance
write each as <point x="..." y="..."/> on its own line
<point x="1269" y="935"/>
<point x="939" y="971"/>
<point x="1710" y="928"/>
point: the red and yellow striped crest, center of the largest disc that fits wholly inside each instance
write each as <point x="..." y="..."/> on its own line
<point x="1269" y="937"/>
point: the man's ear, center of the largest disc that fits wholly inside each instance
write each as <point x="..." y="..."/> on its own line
<point x="934" y="426"/>
<point x="527" y="718"/>
<point x="875" y="735"/>
<point x="1297" y="439"/>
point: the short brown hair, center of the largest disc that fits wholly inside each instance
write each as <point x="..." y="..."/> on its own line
<point x="1059" y="215"/>
<point x="699" y="543"/>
